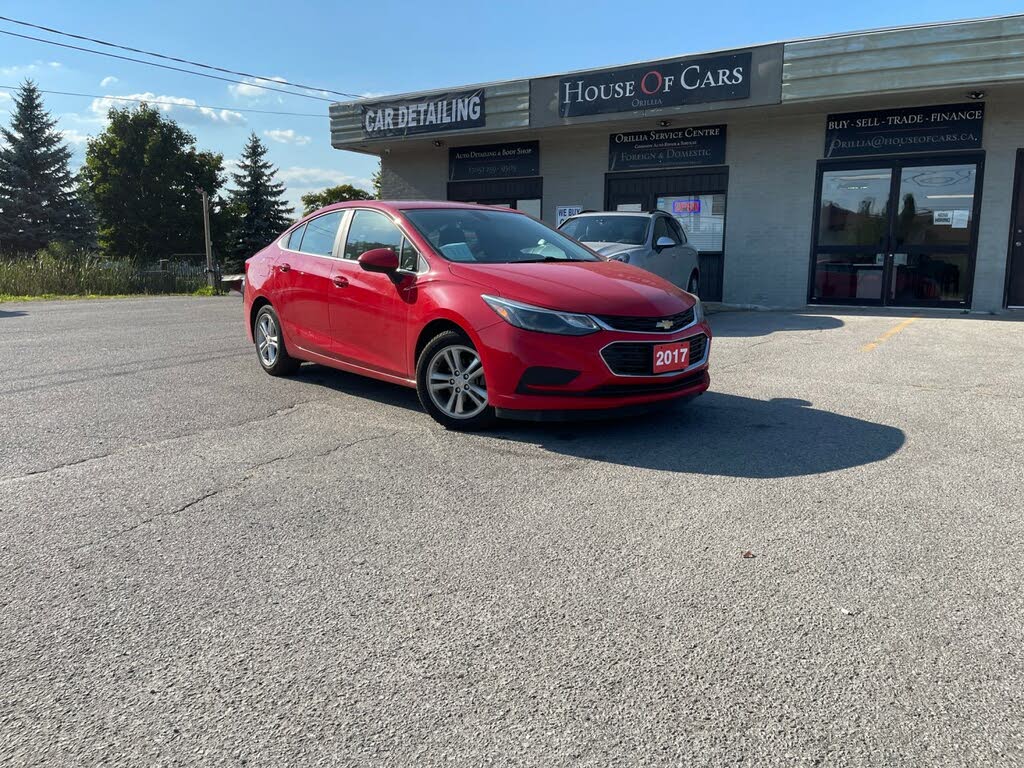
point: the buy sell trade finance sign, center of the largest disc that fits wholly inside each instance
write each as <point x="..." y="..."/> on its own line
<point x="666" y="84"/>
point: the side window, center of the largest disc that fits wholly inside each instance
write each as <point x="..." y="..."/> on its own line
<point x="408" y="257"/>
<point x="370" y="230"/>
<point x="661" y="229"/>
<point x="680" y="232"/>
<point x="295" y="238"/>
<point x="320" y="234"/>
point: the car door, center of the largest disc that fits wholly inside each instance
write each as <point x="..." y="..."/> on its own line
<point x="690" y="256"/>
<point x="369" y="310"/>
<point x="668" y="261"/>
<point x="302" y="280"/>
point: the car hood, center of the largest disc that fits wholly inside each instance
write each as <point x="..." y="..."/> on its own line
<point x="592" y="287"/>
<point x="612" y="249"/>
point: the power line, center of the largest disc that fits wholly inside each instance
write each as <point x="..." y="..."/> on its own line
<point x="168" y="103"/>
<point x="161" y="66"/>
<point x="174" y="58"/>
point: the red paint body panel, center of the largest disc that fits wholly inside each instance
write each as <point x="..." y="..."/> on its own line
<point x="334" y="312"/>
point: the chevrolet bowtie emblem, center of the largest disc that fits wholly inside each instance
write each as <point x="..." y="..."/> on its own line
<point x="664" y="324"/>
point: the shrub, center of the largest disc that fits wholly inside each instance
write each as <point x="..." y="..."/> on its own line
<point x="61" y="270"/>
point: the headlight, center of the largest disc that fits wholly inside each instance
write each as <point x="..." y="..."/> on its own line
<point x="543" y="320"/>
<point x="698" y="311"/>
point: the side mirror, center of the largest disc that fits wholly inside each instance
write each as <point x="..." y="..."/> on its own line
<point x="379" y="260"/>
<point x="664" y="242"/>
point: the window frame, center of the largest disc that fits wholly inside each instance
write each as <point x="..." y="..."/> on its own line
<point x="668" y="227"/>
<point x="282" y="242"/>
<point x="422" y="262"/>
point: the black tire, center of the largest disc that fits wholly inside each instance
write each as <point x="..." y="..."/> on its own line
<point x="437" y="346"/>
<point x="693" y="286"/>
<point x="280" y="364"/>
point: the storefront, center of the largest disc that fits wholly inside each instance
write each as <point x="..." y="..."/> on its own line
<point x="870" y="169"/>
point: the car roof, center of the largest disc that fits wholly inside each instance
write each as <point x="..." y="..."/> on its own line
<point x="394" y="206"/>
<point x="619" y="213"/>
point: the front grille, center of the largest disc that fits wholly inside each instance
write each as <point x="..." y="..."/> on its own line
<point x="648" y="324"/>
<point x="629" y="358"/>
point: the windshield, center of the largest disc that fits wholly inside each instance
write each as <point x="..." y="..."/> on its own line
<point x="629" y="230"/>
<point x="493" y="237"/>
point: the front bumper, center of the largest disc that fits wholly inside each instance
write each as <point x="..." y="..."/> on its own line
<point x="533" y="372"/>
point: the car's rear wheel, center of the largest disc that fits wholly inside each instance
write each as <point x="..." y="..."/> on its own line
<point x="693" y="286"/>
<point x="451" y="383"/>
<point x="270" y="347"/>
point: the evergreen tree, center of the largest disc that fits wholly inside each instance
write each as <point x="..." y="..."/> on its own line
<point x="143" y="173"/>
<point x="256" y="205"/>
<point x="38" y="200"/>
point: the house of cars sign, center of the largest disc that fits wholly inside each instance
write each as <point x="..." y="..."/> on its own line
<point x="665" y="84"/>
<point x="450" y="111"/>
<point x="907" y="129"/>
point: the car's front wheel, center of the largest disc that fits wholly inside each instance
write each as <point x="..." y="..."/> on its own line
<point x="270" y="347"/>
<point x="451" y="383"/>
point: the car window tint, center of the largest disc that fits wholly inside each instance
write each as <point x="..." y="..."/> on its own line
<point x="409" y="257"/>
<point x="320" y="234"/>
<point x="661" y="229"/>
<point x="295" y="238"/>
<point x="629" y="230"/>
<point x="678" y="230"/>
<point x="370" y="230"/>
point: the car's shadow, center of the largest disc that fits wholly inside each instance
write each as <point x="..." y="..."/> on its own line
<point x="738" y="324"/>
<point x="716" y="434"/>
<point x="12" y="313"/>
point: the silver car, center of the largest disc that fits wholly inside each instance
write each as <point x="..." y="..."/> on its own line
<point x="652" y="241"/>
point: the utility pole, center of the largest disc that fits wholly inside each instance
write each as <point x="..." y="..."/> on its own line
<point x="211" y="273"/>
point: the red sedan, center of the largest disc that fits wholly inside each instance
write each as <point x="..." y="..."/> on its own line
<point x="486" y="312"/>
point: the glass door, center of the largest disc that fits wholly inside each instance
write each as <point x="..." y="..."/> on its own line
<point x="852" y="235"/>
<point x="932" y="239"/>
<point x="896" y="233"/>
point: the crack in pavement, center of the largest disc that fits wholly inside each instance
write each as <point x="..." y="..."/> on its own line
<point x="142" y="446"/>
<point x="230" y="486"/>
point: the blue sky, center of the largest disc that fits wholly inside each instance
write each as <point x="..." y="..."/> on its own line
<point x="381" y="47"/>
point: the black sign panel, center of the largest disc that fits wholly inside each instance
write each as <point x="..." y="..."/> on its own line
<point x="494" y="161"/>
<point x="438" y="112"/>
<point x="667" y="148"/>
<point x="909" y="129"/>
<point x="666" y="84"/>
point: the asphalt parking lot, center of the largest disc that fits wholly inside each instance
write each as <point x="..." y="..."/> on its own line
<point x="204" y="565"/>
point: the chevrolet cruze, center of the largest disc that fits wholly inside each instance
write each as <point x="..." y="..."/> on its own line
<point x="486" y="312"/>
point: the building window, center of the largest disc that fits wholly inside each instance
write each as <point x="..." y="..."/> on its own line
<point x="702" y="218"/>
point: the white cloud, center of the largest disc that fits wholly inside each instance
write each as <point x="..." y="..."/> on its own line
<point x="287" y="136"/>
<point x="5" y="96"/>
<point x="73" y="136"/>
<point x="54" y="64"/>
<point x="183" y="107"/>
<point x="251" y="88"/>
<point x="108" y="81"/>
<point x="318" y="178"/>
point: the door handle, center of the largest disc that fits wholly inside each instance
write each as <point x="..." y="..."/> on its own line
<point x="339" y="281"/>
<point x="284" y="267"/>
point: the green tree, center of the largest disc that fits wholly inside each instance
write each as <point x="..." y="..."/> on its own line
<point x="255" y="204"/>
<point x="377" y="179"/>
<point x="38" y="199"/>
<point x="339" y="194"/>
<point x="143" y="173"/>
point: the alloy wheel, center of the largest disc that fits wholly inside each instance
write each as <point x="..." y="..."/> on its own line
<point x="455" y="380"/>
<point x="267" y="340"/>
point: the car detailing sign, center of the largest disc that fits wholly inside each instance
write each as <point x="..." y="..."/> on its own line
<point x="494" y="161"/>
<point x="910" y="129"/>
<point x="666" y="84"/>
<point x="675" y="147"/>
<point x="430" y="114"/>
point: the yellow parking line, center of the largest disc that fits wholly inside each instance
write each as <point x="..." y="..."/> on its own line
<point x="888" y="334"/>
